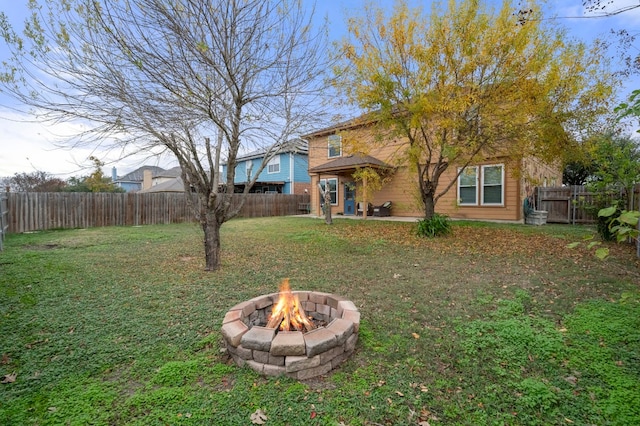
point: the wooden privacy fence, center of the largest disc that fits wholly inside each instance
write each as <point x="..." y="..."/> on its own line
<point x="575" y="204"/>
<point x="4" y="217"/>
<point x="36" y="211"/>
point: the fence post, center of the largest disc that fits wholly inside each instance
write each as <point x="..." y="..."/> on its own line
<point x="573" y="202"/>
<point x="4" y="217"/>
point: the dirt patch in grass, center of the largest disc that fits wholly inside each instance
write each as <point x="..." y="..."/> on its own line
<point x="41" y="246"/>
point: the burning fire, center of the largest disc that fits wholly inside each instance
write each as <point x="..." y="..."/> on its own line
<point x="288" y="312"/>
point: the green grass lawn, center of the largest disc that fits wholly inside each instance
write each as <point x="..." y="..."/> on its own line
<point x="494" y="324"/>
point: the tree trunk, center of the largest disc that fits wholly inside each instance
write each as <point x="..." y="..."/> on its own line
<point x="428" y="201"/>
<point x="327" y="206"/>
<point x="429" y="206"/>
<point x="326" y="196"/>
<point x="211" y="229"/>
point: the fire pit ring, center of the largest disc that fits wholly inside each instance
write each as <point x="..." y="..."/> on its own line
<point x="292" y="353"/>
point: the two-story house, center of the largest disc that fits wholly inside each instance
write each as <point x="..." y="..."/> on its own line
<point x="286" y="173"/>
<point x="487" y="190"/>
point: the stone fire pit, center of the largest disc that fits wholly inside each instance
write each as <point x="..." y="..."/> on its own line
<point x="301" y="355"/>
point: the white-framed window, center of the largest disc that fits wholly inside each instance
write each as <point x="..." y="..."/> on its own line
<point x="334" y="144"/>
<point x="488" y="180"/>
<point x="468" y="187"/>
<point x="492" y="185"/>
<point x="273" y="166"/>
<point x="333" y="189"/>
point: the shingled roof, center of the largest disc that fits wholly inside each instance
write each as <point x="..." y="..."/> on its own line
<point x="350" y="162"/>
<point x="173" y="185"/>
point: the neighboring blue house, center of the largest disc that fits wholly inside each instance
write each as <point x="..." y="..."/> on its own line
<point x="286" y="173"/>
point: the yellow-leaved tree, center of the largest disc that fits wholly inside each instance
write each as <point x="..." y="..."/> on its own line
<point x="468" y="81"/>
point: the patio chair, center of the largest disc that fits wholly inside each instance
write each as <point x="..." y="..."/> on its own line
<point x="383" y="210"/>
<point x="360" y="209"/>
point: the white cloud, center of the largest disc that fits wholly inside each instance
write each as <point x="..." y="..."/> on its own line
<point x="27" y="145"/>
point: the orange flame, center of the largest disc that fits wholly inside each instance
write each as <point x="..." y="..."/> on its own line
<point x="288" y="311"/>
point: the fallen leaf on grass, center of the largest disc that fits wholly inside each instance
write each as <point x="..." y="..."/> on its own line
<point x="259" y="417"/>
<point x="399" y="393"/>
<point x="415" y="335"/>
<point x="5" y="359"/>
<point x="424" y="423"/>
<point x="572" y="380"/>
<point x="9" y="378"/>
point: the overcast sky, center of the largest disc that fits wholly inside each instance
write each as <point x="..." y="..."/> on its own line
<point x="27" y="146"/>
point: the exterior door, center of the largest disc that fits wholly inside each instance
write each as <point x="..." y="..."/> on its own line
<point x="349" y="199"/>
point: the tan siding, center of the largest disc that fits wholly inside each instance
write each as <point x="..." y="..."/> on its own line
<point x="537" y="173"/>
<point x="318" y="155"/>
<point x="314" y="195"/>
<point x="511" y="210"/>
<point x="403" y="193"/>
<point x="402" y="189"/>
<point x="317" y="151"/>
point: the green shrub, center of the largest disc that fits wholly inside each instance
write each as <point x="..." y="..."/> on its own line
<point x="438" y="225"/>
<point x="604" y="225"/>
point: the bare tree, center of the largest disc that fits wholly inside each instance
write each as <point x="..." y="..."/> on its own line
<point x="608" y="7"/>
<point x="204" y="80"/>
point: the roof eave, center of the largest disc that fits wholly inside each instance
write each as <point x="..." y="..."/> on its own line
<point x="320" y="169"/>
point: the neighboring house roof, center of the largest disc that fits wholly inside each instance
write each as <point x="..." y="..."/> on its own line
<point x="173" y="185"/>
<point x="349" y="162"/>
<point x="171" y="173"/>
<point x="138" y="174"/>
<point x="297" y="146"/>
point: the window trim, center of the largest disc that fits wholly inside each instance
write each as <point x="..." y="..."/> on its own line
<point x="482" y="185"/>
<point x="337" y="141"/>
<point x="460" y="203"/>
<point x="323" y="182"/>
<point x="275" y="161"/>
